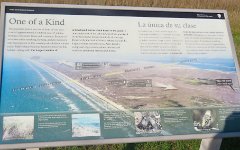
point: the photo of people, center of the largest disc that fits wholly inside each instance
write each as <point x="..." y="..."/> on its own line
<point x="85" y="125"/>
<point x="205" y="120"/>
<point x="18" y="127"/>
<point x="147" y="122"/>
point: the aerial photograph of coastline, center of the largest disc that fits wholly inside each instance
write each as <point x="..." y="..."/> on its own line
<point x="158" y="85"/>
<point x="63" y="85"/>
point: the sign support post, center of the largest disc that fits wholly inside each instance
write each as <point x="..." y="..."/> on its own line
<point x="211" y="144"/>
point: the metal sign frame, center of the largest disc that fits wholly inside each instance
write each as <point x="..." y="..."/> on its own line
<point x="115" y="140"/>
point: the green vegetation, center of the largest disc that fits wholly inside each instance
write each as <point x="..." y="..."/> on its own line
<point x="233" y="8"/>
<point x="173" y="145"/>
<point x="227" y="144"/>
<point x="236" y="38"/>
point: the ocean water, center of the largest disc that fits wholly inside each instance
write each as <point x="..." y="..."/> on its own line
<point x="225" y="65"/>
<point x="89" y="120"/>
<point x="19" y="74"/>
<point x="219" y="64"/>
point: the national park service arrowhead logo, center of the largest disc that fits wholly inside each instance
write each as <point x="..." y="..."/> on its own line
<point x="219" y="16"/>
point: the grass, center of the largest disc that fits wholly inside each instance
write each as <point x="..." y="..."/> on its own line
<point x="227" y="144"/>
<point x="233" y="8"/>
<point x="236" y="38"/>
<point x="173" y="145"/>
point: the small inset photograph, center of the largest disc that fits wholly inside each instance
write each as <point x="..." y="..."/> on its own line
<point x="18" y="127"/>
<point x="85" y="125"/>
<point x="147" y="122"/>
<point x="205" y="120"/>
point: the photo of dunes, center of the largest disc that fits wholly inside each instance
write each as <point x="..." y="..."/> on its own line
<point x="18" y="127"/>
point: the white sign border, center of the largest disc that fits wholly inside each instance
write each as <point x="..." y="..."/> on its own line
<point x="116" y="140"/>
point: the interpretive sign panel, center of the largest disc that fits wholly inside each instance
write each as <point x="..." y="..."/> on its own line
<point x="93" y="74"/>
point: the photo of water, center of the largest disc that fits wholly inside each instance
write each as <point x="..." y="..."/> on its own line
<point x="27" y="87"/>
<point x="85" y="125"/>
